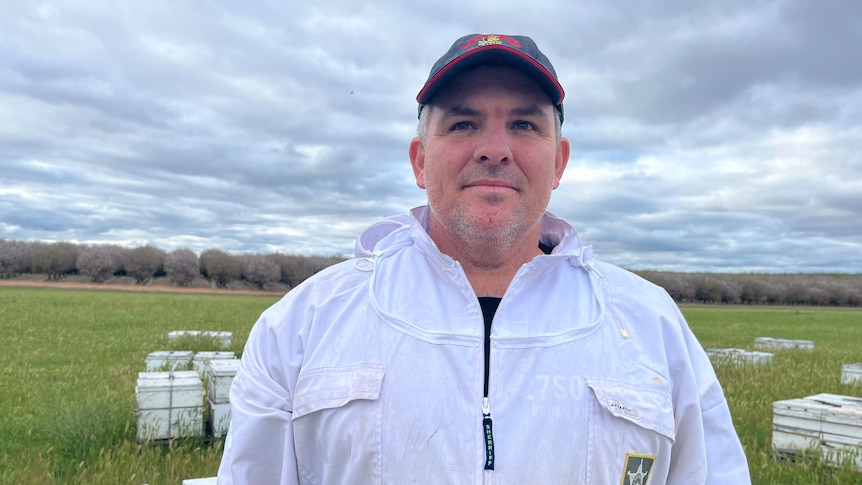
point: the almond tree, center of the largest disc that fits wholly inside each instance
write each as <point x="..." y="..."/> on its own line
<point x="55" y="259"/>
<point x="259" y="270"/>
<point x="100" y="262"/>
<point x="183" y="266"/>
<point x="296" y="269"/>
<point x="143" y="263"/>
<point x="15" y="257"/>
<point x="220" y="266"/>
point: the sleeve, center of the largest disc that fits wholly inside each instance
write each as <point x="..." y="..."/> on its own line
<point x="725" y="459"/>
<point x="707" y="445"/>
<point x="259" y="448"/>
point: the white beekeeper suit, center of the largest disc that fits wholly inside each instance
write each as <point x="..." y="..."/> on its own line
<point x="372" y="372"/>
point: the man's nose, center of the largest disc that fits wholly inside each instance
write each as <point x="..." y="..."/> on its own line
<point x="493" y="145"/>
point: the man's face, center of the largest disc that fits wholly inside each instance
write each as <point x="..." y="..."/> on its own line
<point x="491" y="158"/>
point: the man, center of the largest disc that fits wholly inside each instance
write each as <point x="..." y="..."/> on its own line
<point x="381" y="370"/>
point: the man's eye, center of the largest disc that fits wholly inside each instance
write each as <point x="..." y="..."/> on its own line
<point x="522" y="125"/>
<point x="461" y="125"/>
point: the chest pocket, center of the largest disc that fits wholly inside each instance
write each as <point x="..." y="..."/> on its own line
<point x="628" y="421"/>
<point x="338" y="420"/>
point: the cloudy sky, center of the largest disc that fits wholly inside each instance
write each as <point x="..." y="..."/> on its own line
<point x="721" y="136"/>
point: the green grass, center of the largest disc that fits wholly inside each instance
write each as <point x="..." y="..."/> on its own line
<point x="71" y="359"/>
<point x="68" y="372"/>
<point x="751" y="389"/>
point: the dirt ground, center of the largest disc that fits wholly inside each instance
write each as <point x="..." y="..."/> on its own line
<point x="128" y="284"/>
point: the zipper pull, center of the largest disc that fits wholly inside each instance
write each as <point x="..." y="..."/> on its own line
<point x="489" y="434"/>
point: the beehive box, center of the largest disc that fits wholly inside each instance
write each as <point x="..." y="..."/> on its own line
<point x="829" y="422"/>
<point x="220" y="374"/>
<point x="782" y="343"/>
<point x="200" y="481"/>
<point x="218" y="418"/>
<point x="224" y="338"/>
<point x="738" y="356"/>
<point x="168" y="360"/>
<point x="851" y="373"/>
<point x="169" y="405"/>
<point x="202" y="359"/>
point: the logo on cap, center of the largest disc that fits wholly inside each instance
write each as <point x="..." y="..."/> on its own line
<point x="486" y="40"/>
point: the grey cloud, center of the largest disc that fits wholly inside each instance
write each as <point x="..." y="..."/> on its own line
<point x="705" y="135"/>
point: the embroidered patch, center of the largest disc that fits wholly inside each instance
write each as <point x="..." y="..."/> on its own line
<point x="492" y="39"/>
<point x="637" y="468"/>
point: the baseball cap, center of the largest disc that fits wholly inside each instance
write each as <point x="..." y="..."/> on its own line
<point x="471" y="50"/>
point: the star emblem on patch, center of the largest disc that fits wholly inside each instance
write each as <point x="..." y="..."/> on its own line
<point x="637" y="468"/>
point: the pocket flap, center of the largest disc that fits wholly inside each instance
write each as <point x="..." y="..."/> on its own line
<point x="332" y="387"/>
<point x="647" y="407"/>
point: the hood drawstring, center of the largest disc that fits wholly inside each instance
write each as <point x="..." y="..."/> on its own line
<point x="585" y="259"/>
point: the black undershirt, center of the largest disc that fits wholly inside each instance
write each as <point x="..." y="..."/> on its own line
<point x="489" y="306"/>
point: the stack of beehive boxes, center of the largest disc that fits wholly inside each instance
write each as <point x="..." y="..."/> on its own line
<point x="738" y="356"/>
<point x="851" y="374"/>
<point x="223" y="338"/>
<point x="170" y="394"/>
<point x="170" y="405"/>
<point x="829" y="423"/>
<point x="782" y="343"/>
<point x="220" y="375"/>
<point x="169" y="360"/>
<point x="201" y="360"/>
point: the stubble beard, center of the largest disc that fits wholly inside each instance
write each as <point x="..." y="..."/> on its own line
<point x="481" y="232"/>
<point x="488" y="229"/>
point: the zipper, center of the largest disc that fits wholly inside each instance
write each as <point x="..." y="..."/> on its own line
<point x="489" y="309"/>
<point x="487" y="423"/>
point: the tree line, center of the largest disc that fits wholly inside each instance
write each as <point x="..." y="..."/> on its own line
<point x="104" y="261"/>
<point x="760" y="289"/>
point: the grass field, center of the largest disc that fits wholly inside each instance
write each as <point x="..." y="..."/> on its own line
<point x="68" y="376"/>
<point x="751" y="389"/>
<point x="72" y="356"/>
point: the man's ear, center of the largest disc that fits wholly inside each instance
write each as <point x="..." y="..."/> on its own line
<point x="417" y="160"/>
<point x="561" y="160"/>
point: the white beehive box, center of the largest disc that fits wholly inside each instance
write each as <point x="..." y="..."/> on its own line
<point x="169" y="360"/>
<point x="200" y="481"/>
<point x="218" y="418"/>
<point x="739" y="356"/>
<point x="169" y="405"/>
<point x="220" y="374"/>
<point x="202" y="359"/>
<point x="851" y="373"/>
<point x="224" y="338"/>
<point x="829" y="422"/>
<point x="782" y="343"/>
